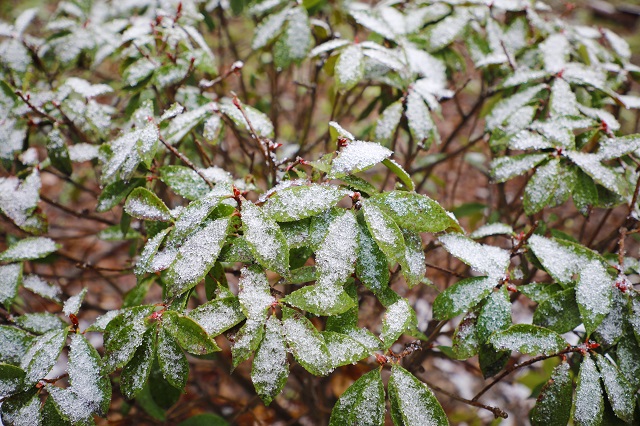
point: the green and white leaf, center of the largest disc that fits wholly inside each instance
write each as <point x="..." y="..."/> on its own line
<point x="218" y="315"/>
<point x="462" y="296"/>
<point x="270" y="367"/>
<point x="42" y="356"/>
<point x="399" y="318"/>
<point x="594" y="294"/>
<point x="29" y="249"/>
<point x="412" y="402"/>
<point x="362" y="403"/>
<point x="588" y="403"/>
<point x="299" y="202"/>
<point x="172" y="360"/>
<point x="266" y="241"/>
<point x="306" y="343"/>
<point x="553" y="407"/>
<point x="188" y="333"/>
<point x="145" y="205"/>
<point x="528" y="339"/>
<point x="358" y="156"/>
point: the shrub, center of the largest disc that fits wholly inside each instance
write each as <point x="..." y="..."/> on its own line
<point x="212" y="203"/>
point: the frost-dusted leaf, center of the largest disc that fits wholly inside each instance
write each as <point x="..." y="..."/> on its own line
<point x="447" y="30"/>
<point x="86" y="89"/>
<point x="218" y="315"/>
<point x="387" y="123"/>
<point x="192" y="217"/>
<point x="299" y="202"/>
<point x="296" y="41"/>
<point x="362" y="403"/>
<point x="591" y="164"/>
<point x="255" y="293"/>
<point x="143" y="264"/>
<point x="485" y="259"/>
<point x="401" y="173"/>
<point x="72" y="305"/>
<point x="588" y="401"/>
<point x="115" y="192"/>
<point x="620" y="393"/>
<point x="324" y="298"/>
<point x="465" y="343"/>
<point x="561" y="259"/>
<point x="349" y="69"/>
<point x="259" y="120"/>
<point x="507" y="106"/>
<point x="415" y="212"/>
<point x="528" y="339"/>
<point x="42" y="356"/>
<point x="525" y="139"/>
<point x="523" y="76"/>
<point x="399" y="318"/>
<point x="344" y="349"/>
<point x="492" y="229"/>
<point x="553" y="406"/>
<point x="412" y="402"/>
<point x="419" y="118"/>
<point x="358" y="156"/>
<point x="123" y="335"/>
<point x="129" y="150"/>
<point x="144" y="204"/>
<point x="183" y="123"/>
<point x="10" y="380"/>
<point x="612" y="327"/>
<point x="328" y="46"/>
<point x="562" y="101"/>
<point x="559" y="312"/>
<point x="269" y="29"/>
<point x="15" y="343"/>
<point x="306" y="343"/>
<point x="22" y="409"/>
<point x="618" y="44"/>
<point x="247" y="340"/>
<point x="296" y="233"/>
<point x="371" y="267"/>
<point x="270" y="367"/>
<point x="212" y="129"/>
<point x="593" y="294"/>
<point x="136" y="373"/>
<point x="413" y="264"/>
<point x="495" y="314"/>
<point x="89" y="392"/>
<point x="555" y="52"/>
<point x="114" y="233"/>
<point x="542" y="186"/>
<point x="172" y="360"/>
<point x="336" y="254"/>
<point x="184" y="181"/>
<point x="266" y="241"/>
<point x="10" y="280"/>
<point x="505" y="168"/>
<point x="19" y="198"/>
<point x="58" y="152"/>
<point x="196" y="256"/>
<point x="188" y="333"/>
<point x="628" y="361"/>
<point x="28" y="249"/>
<point x="40" y="287"/>
<point x="461" y="296"/>
<point x="385" y="232"/>
<point x="40" y="322"/>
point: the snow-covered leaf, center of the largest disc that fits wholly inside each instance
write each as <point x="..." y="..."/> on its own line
<point x="412" y="402"/>
<point x="461" y="296"/>
<point x="495" y="314"/>
<point x="528" y="339"/>
<point x="143" y="264"/>
<point x="254" y="293"/>
<point x="10" y="280"/>
<point x="144" y="204"/>
<point x="344" y="349"/>
<point x="40" y="322"/>
<point x="41" y="287"/>
<point x="553" y="407"/>
<point x="361" y="403"/>
<point x="542" y="187"/>
<point x="387" y="123"/>
<point x="620" y="393"/>
<point x="505" y="168"/>
<point x="29" y="249"/>
<point x="588" y="402"/>
<point x="172" y="360"/>
<point x="349" y="69"/>
<point x="465" y="343"/>
<point x="445" y="32"/>
<point x="218" y="315"/>
<point x="184" y="181"/>
<point x="266" y="241"/>
<point x="259" y="120"/>
<point x="492" y="229"/>
<point x="123" y="335"/>
<point x="72" y="305"/>
<point x="22" y="409"/>
<point x="358" y="156"/>
<point x="385" y="232"/>
<point x="295" y="42"/>
<point x="591" y="164"/>
<point x="15" y="343"/>
<point x="10" y="380"/>
<point x="489" y="260"/>
<point x="183" y="123"/>
<point x="507" y="106"/>
<point x="306" y="343"/>
<point x="299" y="202"/>
<point x="270" y="367"/>
<point x="413" y="263"/>
<point x="419" y="118"/>
<point x="136" y="373"/>
<point x="269" y="29"/>
<point x="188" y="333"/>
<point x="398" y="319"/>
<point x="42" y="356"/>
<point x="558" y="312"/>
<point x="593" y="294"/>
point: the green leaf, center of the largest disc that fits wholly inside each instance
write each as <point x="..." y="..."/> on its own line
<point x="193" y="216"/>
<point x="58" y="152"/>
<point x="371" y="266"/>
<point x="558" y="312"/>
<point x="461" y="297"/>
<point x="266" y="241"/>
<point x="627" y="352"/>
<point x="22" y="409"/>
<point x="136" y="373"/>
<point x="205" y="419"/>
<point x="42" y="356"/>
<point x="270" y="367"/>
<point x="492" y="361"/>
<point x="542" y="186"/>
<point x="336" y="255"/>
<point x="528" y="339"/>
<point x="594" y="295"/>
<point x="52" y="415"/>
<point x="362" y="403"/>
<point x="183" y="123"/>
<point x="10" y="280"/>
<point x="144" y="204"/>
<point x="399" y="318"/>
<point x="11" y="378"/>
<point x="620" y="393"/>
<point x="349" y="69"/>
<point x="445" y="31"/>
<point x="385" y="232"/>
<point x="143" y="265"/>
<point x="29" y="249"/>
<point x="321" y="299"/>
<point x="415" y="212"/>
<point x="539" y="292"/>
<point x="172" y="361"/>
<point x="302" y="275"/>
<point x="465" y="343"/>
<point x="585" y="192"/>
<point x="299" y="202"/>
<point x="343" y="349"/>
<point x="115" y="192"/>
<point x="412" y="402"/>
<point x="612" y="327"/>
<point x="89" y="392"/>
<point x="387" y="123"/>
<point x="419" y="119"/>
<point x="505" y="168"/>
<point x="296" y="41"/>
<point x="495" y="314"/>
<point x="260" y="121"/>
<point x="247" y="340"/>
<point x="268" y="29"/>
<point x="553" y="407"/>
<point x="306" y="343"/>
<point x="196" y="257"/>
<point x="14" y="343"/>
<point x="188" y="333"/>
<point x="588" y="403"/>
<point x="218" y="315"/>
<point x="114" y="233"/>
<point x="72" y="305"/>
<point x="358" y="156"/>
<point x="124" y="335"/>
<point x="413" y="263"/>
<point x="504" y="108"/>
<point x="40" y="322"/>
<point x="184" y="181"/>
<point x="401" y="173"/>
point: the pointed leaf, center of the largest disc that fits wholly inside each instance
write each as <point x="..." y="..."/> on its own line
<point x="124" y="335"/>
<point x="528" y="339"/>
<point x="362" y="403"/>
<point x="399" y="318"/>
<point x="270" y="367"/>
<point x="115" y="192"/>
<point x="184" y="181"/>
<point x="14" y="343"/>
<point x="588" y="401"/>
<point x="419" y="118"/>
<point x="299" y="202"/>
<point x="553" y="407"/>
<point x="343" y="349"/>
<point x="266" y="241"/>
<point x="505" y="168"/>
<point x="306" y="343"/>
<point x="594" y="294"/>
<point x="465" y="343"/>
<point x="11" y="378"/>
<point x="42" y="356"/>
<point x="559" y="312"/>
<point x="10" y="280"/>
<point x="143" y="265"/>
<point x="136" y="373"/>
<point x="29" y="249"/>
<point x="412" y="402"/>
<point x="40" y="322"/>
<point x="461" y="296"/>
<point x="218" y="315"/>
<point x="189" y="335"/>
<point x="72" y="305"/>
<point x="144" y="204"/>
<point x="172" y="361"/>
<point x="620" y="393"/>
<point x="358" y="156"/>
<point x="387" y="123"/>
<point x="349" y="69"/>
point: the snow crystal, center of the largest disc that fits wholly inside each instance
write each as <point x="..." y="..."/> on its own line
<point x="416" y="401"/>
<point x="358" y="156"/>
<point x="588" y="399"/>
<point x="337" y="253"/>
<point x="489" y="260"/>
<point x="39" y="286"/>
<point x="72" y="305"/>
<point x="29" y="248"/>
<point x="270" y="362"/>
<point x="217" y="315"/>
<point x="593" y="292"/>
<point x="255" y="293"/>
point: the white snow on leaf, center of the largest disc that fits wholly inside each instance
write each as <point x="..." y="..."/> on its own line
<point x="255" y="293"/>
<point x="417" y="404"/>
<point x="336" y="256"/>
<point x="29" y="248"/>
<point x="618" y="44"/>
<point x="328" y="46"/>
<point x="42" y="288"/>
<point x="41" y="357"/>
<point x="298" y="34"/>
<point x="589" y="403"/>
<point x="387" y="123"/>
<point x="507" y="106"/>
<point x="299" y="202"/>
<point x="259" y="121"/>
<point x="591" y="164"/>
<point x="529" y="140"/>
<point x="369" y="20"/>
<point x="183" y="123"/>
<point x="72" y="304"/>
<point x="555" y="51"/>
<point x="630" y="101"/>
<point x="86" y="89"/>
<point x="528" y="339"/>
<point x="82" y="152"/>
<point x="489" y="260"/>
<point x="523" y="75"/>
<point x="150" y="249"/>
<point x="492" y="229"/>
<point x="358" y="156"/>
<point x="268" y="29"/>
<point x="396" y="321"/>
<point x="9" y="282"/>
<point x="505" y="168"/>
<point x="520" y="119"/>
<point x="127" y="151"/>
<point x="563" y="100"/>
<point x="218" y="315"/>
<point x="601" y="115"/>
<point x="264" y="237"/>
<point x="19" y="198"/>
<point x="445" y="32"/>
<point x="308" y="347"/>
<point x="349" y="68"/>
<point x="560" y="261"/>
<point x="419" y="117"/>
<point x="270" y="366"/>
<point x="594" y="294"/>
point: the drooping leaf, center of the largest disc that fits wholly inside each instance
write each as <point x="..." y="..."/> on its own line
<point x="266" y="241"/>
<point x="115" y="192"/>
<point x="123" y="335"/>
<point x="22" y="409"/>
<point x="143" y="264"/>
<point x="300" y="202"/>
<point x="349" y="69"/>
<point x="144" y="204"/>
<point x="10" y="380"/>
<point x="413" y="263"/>
<point x="505" y="168"/>
<point x="361" y="403"/>
<point x="593" y="294"/>
<point x="588" y="403"/>
<point x="171" y="360"/>
<point x="136" y="373"/>
<point x="620" y="393"/>
<point x="189" y="335"/>
<point x="270" y="368"/>
<point x="465" y="342"/>
<point x="29" y="249"/>
<point x="495" y="314"/>
<point x="461" y="296"/>
<point x="42" y="356"/>
<point x="218" y="315"/>
<point x="553" y="407"/>
<point x="15" y="343"/>
<point x="528" y="339"/>
<point x="399" y="318"/>
<point x="385" y="232"/>
<point x="412" y="402"/>
<point x="559" y="312"/>
<point x="306" y="343"/>
<point x="10" y="280"/>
